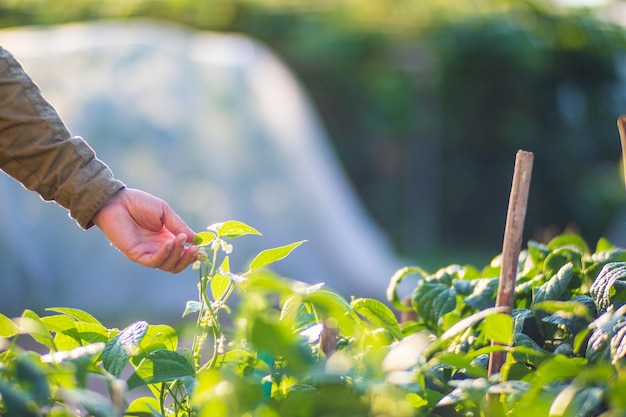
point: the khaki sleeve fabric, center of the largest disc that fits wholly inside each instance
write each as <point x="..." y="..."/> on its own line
<point x="37" y="149"/>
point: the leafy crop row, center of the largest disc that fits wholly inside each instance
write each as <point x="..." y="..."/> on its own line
<point x="294" y="349"/>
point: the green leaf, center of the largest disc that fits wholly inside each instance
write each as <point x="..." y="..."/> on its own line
<point x="469" y="363"/>
<point x="271" y="336"/>
<point x="433" y="300"/>
<point x="608" y="337"/>
<point x="30" y="323"/>
<point x="484" y="293"/>
<point x="537" y="252"/>
<point x="574" y="315"/>
<point x="117" y="352"/>
<point x="468" y="322"/>
<point x="7" y="327"/>
<point x="203" y="238"/>
<point x="64" y="341"/>
<point x="556" y="286"/>
<point x="499" y="328"/>
<point x="163" y="366"/>
<point x="448" y="274"/>
<point x="30" y="374"/>
<point x="270" y="256"/>
<point x="95" y="403"/>
<point x="332" y="306"/>
<point x="577" y="401"/>
<point x="233" y="228"/>
<point x="289" y="311"/>
<point x="612" y="255"/>
<point x="159" y="336"/>
<point x="17" y="401"/>
<point x="609" y="286"/>
<point x="396" y="279"/>
<point x="222" y="280"/>
<point x="219" y="285"/>
<point x="569" y="241"/>
<point x="604" y="245"/>
<point x="192" y="306"/>
<point x="79" y="315"/>
<point x="561" y="257"/>
<point x="92" y="332"/>
<point x="264" y="281"/>
<point x="59" y="323"/>
<point x="558" y="368"/>
<point x="379" y="314"/>
<point x="144" y="407"/>
<point x="580" y="306"/>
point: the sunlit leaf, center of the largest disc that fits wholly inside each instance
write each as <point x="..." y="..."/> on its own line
<point x="560" y="367"/>
<point x="203" y="238"/>
<point x="470" y="321"/>
<point x="144" y="407"/>
<point x="192" y="306"/>
<point x="157" y="337"/>
<point x="537" y="251"/>
<point x="556" y="286"/>
<point x="234" y="228"/>
<point x="574" y="315"/>
<point x="163" y="366"/>
<point x="577" y="401"/>
<point x="396" y="279"/>
<point x="59" y="323"/>
<point x="499" y="328"/>
<point x="273" y="337"/>
<point x="7" y="327"/>
<point x="604" y="245"/>
<point x="609" y="286"/>
<point x="266" y="281"/>
<point x="92" y="332"/>
<point x="219" y="285"/>
<point x="30" y="323"/>
<point x="79" y="315"/>
<point x="117" y="352"/>
<point x="333" y="306"/>
<point x="270" y="256"/>
<point x="379" y="314"/>
<point x="569" y="241"/>
<point x="558" y="258"/>
<point x="611" y="255"/>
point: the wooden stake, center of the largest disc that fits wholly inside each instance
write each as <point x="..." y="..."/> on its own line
<point x="621" y="126"/>
<point x="513" y="234"/>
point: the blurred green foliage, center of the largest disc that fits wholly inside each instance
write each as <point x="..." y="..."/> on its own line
<point x="426" y="102"/>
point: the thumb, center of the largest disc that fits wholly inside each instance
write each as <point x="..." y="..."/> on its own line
<point x="175" y="224"/>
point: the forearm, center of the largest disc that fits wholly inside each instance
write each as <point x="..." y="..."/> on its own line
<point x="37" y="149"/>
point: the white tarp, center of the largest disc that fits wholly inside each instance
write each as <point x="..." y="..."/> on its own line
<point x="217" y="126"/>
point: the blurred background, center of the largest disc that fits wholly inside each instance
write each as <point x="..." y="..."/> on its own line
<point x="424" y="104"/>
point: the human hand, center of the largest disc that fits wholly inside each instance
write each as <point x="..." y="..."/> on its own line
<point x="146" y="230"/>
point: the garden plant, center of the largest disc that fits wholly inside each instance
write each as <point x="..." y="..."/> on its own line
<point x="265" y="345"/>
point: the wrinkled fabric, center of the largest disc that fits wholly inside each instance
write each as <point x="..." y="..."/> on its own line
<point x="37" y="149"/>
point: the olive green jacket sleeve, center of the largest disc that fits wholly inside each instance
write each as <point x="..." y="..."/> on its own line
<point x="37" y="149"/>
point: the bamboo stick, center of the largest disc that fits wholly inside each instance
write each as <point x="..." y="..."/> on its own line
<point x="513" y="234"/>
<point x="621" y="126"/>
<point x="511" y="247"/>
